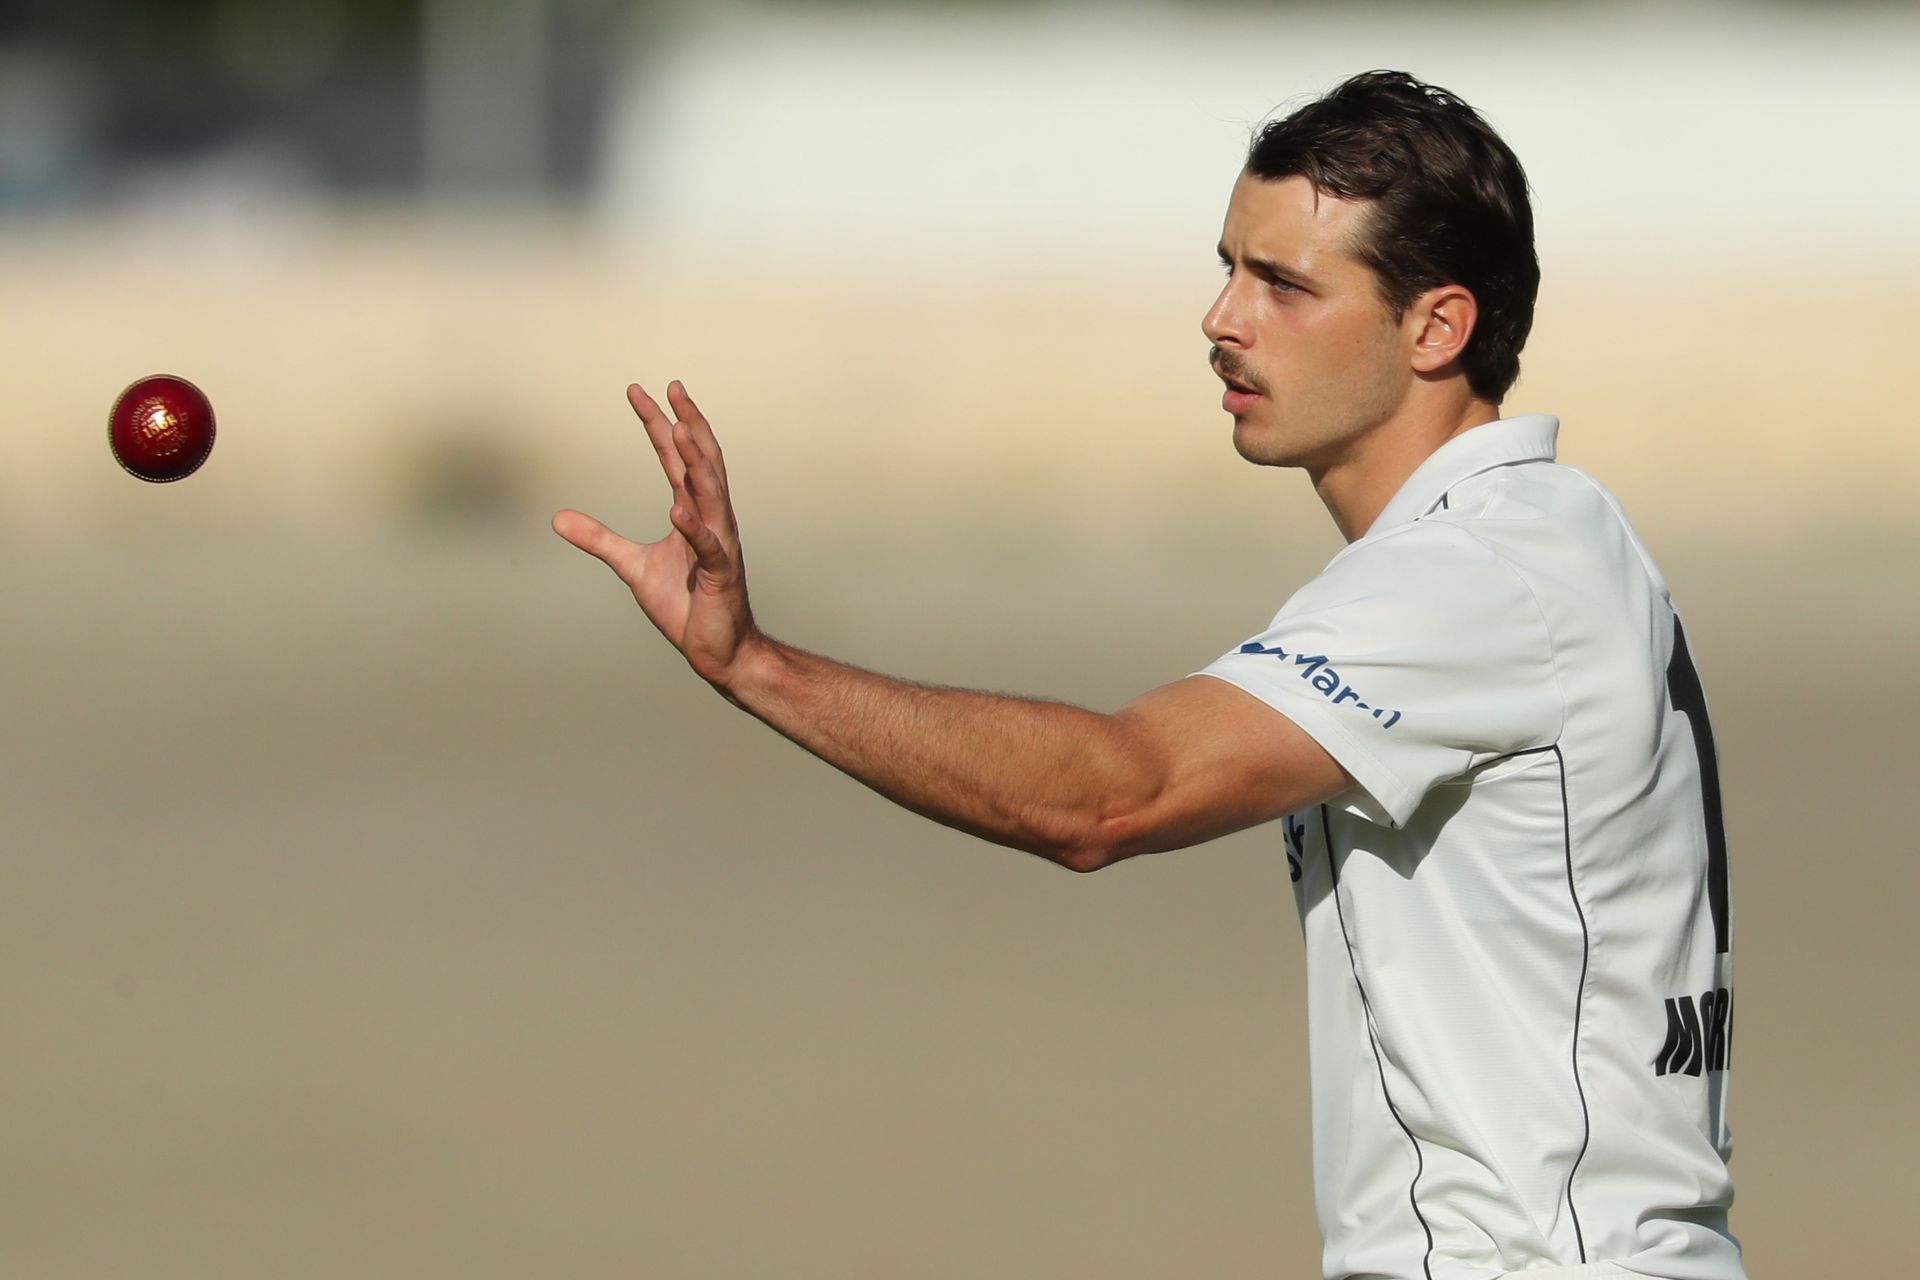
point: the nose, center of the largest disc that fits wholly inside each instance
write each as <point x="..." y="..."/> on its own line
<point x="1223" y="324"/>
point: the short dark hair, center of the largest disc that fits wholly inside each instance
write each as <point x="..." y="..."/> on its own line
<point x="1449" y="203"/>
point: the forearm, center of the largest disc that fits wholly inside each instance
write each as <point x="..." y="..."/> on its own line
<point x="1045" y="777"/>
<point x="1187" y="762"/>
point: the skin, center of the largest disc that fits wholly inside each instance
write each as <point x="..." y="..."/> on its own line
<point x="1352" y="394"/>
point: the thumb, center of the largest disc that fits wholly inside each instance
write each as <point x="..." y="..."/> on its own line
<point x="594" y="538"/>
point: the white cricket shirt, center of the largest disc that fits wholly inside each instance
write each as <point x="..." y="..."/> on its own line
<point x="1517" y="922"/>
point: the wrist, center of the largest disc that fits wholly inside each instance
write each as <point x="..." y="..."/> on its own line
<point x="755" y="668"/>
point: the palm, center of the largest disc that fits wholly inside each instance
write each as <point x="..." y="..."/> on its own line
<point x="691" y="584"/>
<point x="665" y="584"/>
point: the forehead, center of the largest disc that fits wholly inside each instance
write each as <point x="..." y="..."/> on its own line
<point x="1288" y="220"/>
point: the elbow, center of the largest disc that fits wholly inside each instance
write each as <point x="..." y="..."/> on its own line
<point x="1081" y="845"/>
<point x="1102" y="843"/>
<point x="1085" y="858"/>
<point x="1117" y="820"/>
<point x="1099" y="833"/>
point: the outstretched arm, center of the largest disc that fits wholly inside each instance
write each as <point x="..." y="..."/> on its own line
<point x="1184" y="763"/>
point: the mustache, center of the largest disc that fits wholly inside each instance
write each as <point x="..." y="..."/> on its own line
<point x="1232" y="368"/>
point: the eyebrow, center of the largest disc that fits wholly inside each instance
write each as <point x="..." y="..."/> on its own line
<point x="1270" y="267"/>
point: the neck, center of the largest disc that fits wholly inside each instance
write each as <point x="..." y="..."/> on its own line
<point x="1357" y="485"/>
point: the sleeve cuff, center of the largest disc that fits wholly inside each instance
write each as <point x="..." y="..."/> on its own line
<point x="1378" y="796"/>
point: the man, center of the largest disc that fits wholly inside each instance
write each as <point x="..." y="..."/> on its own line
<point x="1480" y="725"/>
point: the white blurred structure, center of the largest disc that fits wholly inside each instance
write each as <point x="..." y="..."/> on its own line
<point x="887" y="242"/>
<point x="1670" y="132"/>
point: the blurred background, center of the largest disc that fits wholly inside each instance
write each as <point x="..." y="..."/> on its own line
<point x="381" y="897"/>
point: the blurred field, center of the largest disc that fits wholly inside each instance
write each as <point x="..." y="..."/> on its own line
<point x="342" y="354"/>
<point x="383" y="899"/>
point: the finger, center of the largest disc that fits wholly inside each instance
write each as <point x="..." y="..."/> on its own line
<point x="594" y="538"/>
<point x="660" y="432"/>
<point x="709" y="495"/>
<point x="710" y="555"/>
<point x="688" y="412"/>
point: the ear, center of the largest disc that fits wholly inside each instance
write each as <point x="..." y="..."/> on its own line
<point x="1441" y="320"/>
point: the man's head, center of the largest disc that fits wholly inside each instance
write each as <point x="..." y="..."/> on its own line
<point x="1379" y="245"/>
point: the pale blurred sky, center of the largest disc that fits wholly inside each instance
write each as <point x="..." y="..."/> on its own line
<point x="1690" y="134"/>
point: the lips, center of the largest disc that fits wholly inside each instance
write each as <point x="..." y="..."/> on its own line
<point x="1236" y="399"/>
<point x="1234" y="383"/>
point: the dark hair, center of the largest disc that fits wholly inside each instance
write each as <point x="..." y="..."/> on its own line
<point x="1449" y="203"/>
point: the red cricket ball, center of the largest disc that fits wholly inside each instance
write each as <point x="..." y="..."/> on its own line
<point x="161" y="428"/>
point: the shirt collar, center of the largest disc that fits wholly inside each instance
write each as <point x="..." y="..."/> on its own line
<point x="1527" y="438"/>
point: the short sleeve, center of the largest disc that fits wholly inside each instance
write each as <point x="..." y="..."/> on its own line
<point x="1412" y="658"/>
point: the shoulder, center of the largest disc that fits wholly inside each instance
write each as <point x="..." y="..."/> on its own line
<point x="1557" y="527"/>
<point x="1539" y="500"/>
<point x="1437" y="592"/>
<point x="1431" y="559"/>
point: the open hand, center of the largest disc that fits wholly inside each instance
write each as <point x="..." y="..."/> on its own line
<point x="691" y="584"/>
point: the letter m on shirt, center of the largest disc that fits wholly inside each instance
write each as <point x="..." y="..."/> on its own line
<point x="1698" y="1036"/>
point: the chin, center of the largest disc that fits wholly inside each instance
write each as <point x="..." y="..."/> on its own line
<point x="1261" y="445"/>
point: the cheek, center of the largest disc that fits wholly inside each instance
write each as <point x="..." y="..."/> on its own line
<point x="1305" y="347"/>
<point x="1331" y="365"/>
<point x="1357" y="346"/>
<point x="1358" y="330"/>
